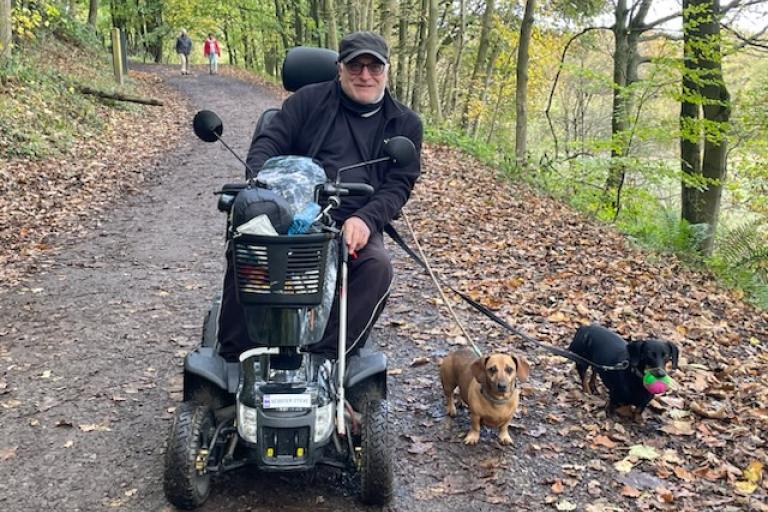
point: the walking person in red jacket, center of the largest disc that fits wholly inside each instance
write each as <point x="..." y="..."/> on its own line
<point x="212" y="51"/>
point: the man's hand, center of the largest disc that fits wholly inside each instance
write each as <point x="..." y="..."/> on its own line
<point x="356" y="233"/>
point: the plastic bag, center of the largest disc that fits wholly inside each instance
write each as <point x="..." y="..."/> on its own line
<point x="294" y="178"/>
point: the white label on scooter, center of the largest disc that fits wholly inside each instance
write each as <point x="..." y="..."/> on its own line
<point x="278" y="401"/>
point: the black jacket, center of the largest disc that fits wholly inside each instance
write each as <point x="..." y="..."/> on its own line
<point x="302" y="127"/>
<point x="183" y="44"/>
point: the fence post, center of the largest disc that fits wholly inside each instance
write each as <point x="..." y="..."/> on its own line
<point x="117" y="55"/>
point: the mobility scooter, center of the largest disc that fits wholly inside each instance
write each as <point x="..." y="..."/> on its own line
<point x="278" y="407"/>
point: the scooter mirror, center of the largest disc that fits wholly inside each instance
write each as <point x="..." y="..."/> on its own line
<point x="401" y="150"/>
<point x="207" y="126"/>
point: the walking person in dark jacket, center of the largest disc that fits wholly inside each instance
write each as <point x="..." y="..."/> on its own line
<point x="184" y="48"/>
<point x="339" y="123"/>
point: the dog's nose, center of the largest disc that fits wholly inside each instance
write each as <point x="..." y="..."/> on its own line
<point x="501" y="386"/>
<point x="658" y="372"/>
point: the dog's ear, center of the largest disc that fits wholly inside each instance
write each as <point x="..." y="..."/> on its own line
<point x="635" y="350"/>
<point x="522" y="367"/>
<point x="673" y="353"/>
<point x="478" y="370"/>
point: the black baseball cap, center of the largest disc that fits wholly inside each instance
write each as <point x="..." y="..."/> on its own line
<point x="361" y="43"/>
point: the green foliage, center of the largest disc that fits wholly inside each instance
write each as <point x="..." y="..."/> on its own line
<point x="661" y="229"/>
<point x="73" y="32"/>
<point x="741" y="259"/>
<point x="41" y="111"/>
<point x="486" y="153"/>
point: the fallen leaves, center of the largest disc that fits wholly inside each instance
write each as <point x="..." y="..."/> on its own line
<point x="643" y="452"/>
<point x="752" y="475"/>
<point x="94" y="427"/>
<point x="43" y="198"/>
<point x="8" y="453"/>
<point x="678" y="428"/>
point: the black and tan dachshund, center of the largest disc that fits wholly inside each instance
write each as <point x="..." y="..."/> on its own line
<point x="625" y="387"/>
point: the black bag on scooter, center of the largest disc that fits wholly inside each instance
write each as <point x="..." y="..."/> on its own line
<point x="255" y="201"/>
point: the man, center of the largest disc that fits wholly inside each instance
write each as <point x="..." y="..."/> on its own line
<point x="184" y="48"/>
<point x="339" y="123"/>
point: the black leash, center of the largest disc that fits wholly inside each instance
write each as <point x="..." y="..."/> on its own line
<point x="394" y="235"/>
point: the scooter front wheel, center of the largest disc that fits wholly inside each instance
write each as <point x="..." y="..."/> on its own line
<point x="185" y="481"/>
<point x="376" y="471"/>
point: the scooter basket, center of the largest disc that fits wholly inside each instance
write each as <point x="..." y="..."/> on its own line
<point x="286" y="270"/>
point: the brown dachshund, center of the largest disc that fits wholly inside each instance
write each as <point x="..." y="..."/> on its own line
<point x="487" y="386"/>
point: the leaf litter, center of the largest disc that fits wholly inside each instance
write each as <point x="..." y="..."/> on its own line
<point x="547" y="270"/>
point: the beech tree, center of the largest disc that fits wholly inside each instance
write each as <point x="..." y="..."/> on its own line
<point x="704" y="114"/>
<point x="93" y="12"/>
<point x="6" y="32"/>
<point x="434" y="97"/>
<point x="521" y="88"/>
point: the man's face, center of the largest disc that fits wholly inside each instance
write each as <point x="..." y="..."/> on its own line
<point x="363" y="79"/>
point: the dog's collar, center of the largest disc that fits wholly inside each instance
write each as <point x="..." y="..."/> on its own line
<point x="494" y="400"/>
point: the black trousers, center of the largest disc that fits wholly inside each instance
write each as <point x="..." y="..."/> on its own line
<point x="369" y="281"/>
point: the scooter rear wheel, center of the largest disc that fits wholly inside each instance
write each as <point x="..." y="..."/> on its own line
<point x="376" y="471"/>
<point x="186" y="483"/>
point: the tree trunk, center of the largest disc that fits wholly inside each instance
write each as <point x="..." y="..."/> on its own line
<point x="629" y="24"/>
<point x="330" y="21"/>
<point x="703" y="83"/>
<point x="401" y="78"/>
<point x="314" y="10"/>
<point x="521" y="87"/>
<point x="371" y="15"/>
<point x="6" y="32"/>
<point x="93" y="12"/>
<point x="118" y="11"/>
<point x="619" y="119"/>
<point x="434" y="98"/>
<point x="486" y="85"/>
<point x="353" y="15"/>
<point x="388" y="19"/>
<point x="420" y="58"/>
<point x="154" y="21"/>
<point x="482" y="51"/>
<point x="500" y="99"/>
<point x="388" y="9"/>
<point x="282" y="23"/>
<point x="298" y="24"/>
<point x="454" y="88"/>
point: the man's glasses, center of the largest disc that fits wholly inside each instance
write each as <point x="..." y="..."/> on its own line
<point x="374" y="68"/>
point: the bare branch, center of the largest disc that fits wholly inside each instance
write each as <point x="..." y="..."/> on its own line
<point x="663" y="19"/>
<point x="661" y="35"/>
<point x="557" y="77"/>
<point x="748" y="40"/>
<point x="739" y="3"/>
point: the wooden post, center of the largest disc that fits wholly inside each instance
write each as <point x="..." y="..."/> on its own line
<point x="117" y="56"/>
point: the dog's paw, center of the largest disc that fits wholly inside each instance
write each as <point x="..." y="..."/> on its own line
<point x="472" y="437"/>
<point x="505" y="439"/>
<point x="451" y="410"/>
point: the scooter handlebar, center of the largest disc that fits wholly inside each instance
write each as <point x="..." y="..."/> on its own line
<point x="346" y="189"/>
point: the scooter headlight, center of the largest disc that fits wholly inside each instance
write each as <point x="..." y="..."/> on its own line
<point x="246" y="423"/>
<point x="323" y="422"/>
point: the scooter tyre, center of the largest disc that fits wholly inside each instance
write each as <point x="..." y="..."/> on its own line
<point x="376" y="471"/>
<point x="192" y="428"/>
